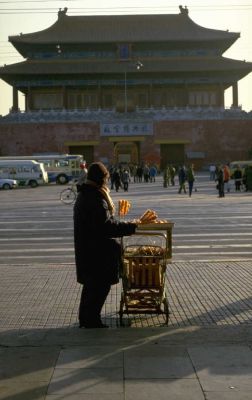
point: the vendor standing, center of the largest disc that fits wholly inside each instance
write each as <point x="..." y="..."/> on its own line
<point x="97" y="251"/>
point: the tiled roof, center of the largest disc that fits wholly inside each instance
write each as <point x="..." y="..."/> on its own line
<point x="79" y="66"/>
<point x="124" y="28"/>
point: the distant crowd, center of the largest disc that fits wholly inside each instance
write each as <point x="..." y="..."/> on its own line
<point x="222" y="175"/>
<point x="123" y="174"/>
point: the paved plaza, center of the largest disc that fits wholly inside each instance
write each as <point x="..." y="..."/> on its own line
<point x="203" y="354"/>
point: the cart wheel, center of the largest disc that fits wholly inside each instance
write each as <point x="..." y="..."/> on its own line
<point x="166" y="310"/>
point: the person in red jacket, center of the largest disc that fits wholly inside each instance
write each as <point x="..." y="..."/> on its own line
<point x="226" y="177"/>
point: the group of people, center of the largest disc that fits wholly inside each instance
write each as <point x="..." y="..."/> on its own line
<point x="222" y="175"/>
<point x="121" y="176"/>
<point x="185" y="174"/>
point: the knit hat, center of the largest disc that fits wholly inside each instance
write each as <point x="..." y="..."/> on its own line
<point x="97" y="172"/>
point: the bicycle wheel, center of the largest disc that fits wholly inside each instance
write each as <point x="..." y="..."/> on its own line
<point x="67" y="196"/>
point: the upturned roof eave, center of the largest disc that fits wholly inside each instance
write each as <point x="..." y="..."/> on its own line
<point x="17" y="42"/>
<point x="60" y="67"/>
<point x="111" y="28"/>
<point x="24" y="48"/>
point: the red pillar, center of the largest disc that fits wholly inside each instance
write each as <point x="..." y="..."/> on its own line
<point x="235" y="94"/>
<point x="14" y="99"/>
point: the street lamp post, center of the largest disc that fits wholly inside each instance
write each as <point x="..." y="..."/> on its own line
<point x="125" y="92"/>
<point x="138" y="66"/>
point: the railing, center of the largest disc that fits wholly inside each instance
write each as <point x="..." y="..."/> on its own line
<point x="163" y="113"/>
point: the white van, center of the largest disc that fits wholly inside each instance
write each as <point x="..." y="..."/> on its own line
<point x="25" y="172"/>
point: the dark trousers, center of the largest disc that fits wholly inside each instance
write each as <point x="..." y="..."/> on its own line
<point x="182" y="186"/>
<point x="238" y="185"/>
<point x="190" y="185"/>
<point x="221" y="189"/>
<point x="93" y="297"/>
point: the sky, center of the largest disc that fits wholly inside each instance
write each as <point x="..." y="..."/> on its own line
<point x="28" y="16"/>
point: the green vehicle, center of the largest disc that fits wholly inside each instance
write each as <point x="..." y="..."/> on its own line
<point x="242" y="164"/>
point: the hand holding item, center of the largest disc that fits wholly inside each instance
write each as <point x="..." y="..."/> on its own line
<point x="148" y="217"/>
<point x="151" y="217"/>
<point x="123" y="207"/>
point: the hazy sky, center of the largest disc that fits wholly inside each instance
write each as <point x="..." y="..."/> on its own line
<point x="28" y="16"/>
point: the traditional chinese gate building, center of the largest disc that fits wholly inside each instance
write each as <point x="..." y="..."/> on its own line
<point x="127" y="88"/>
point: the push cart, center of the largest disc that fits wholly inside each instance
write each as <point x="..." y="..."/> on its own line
<point x="145" y="258"/>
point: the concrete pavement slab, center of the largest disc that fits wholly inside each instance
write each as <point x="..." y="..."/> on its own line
<point x="67" y="381"/>
<point x="157" y="362"/>
<point x="91" y="357"/>
<point x="223" y="368"/>
<point x="86" y="396"/>
<point x="231" y="395"/>
<point x="68" y="337"/>
<point x="25" y="372"/>
<point x="27" y="364"/>
<point x="163" y="389"/>
<point x="20" y="390"/>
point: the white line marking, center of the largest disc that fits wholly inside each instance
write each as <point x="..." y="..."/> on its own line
<point x="37" y="257"/>
<point x="40" y="239"/>
<point x="213" y="246"/>
<point x="218" y="253"/>
<point x="211" y="234"/>
<point x="35" y="229"/>
<point x="28" y="250"/>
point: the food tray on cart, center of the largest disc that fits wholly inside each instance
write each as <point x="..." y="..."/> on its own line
<point x="160" y="227"/>
<point x="145" y="257"/>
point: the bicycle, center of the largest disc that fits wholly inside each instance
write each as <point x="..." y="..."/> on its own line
<point x="68" y="195"/>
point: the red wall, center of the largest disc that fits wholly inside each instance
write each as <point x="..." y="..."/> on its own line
<point x="220" y="140"/>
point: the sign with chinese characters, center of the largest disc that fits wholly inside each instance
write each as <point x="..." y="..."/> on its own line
<point x="126" y="129"/>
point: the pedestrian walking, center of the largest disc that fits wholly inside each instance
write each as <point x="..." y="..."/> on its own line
<point x="146" y="173"/>
<point x="212" y="170"/>
<point x="172" y="173"/>
<point x="139" y="173"/>
<point x="117" y="179"/>
<point x="153" y="173"/>
<point x="83" y="176"/>
<point x="220" y="181"/>
<point x="134" y="172"/>
<point x="190" y="179"/>
<point x="238" y="178"/>
<point x="226" y="177"/>
<point x="182" y="179"/>
<point x="125" y="180"/>
<point x="166" y="177"/>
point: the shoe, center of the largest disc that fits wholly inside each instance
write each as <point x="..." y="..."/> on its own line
<point x="94" y="325"/>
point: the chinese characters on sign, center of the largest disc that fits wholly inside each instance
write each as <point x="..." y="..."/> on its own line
<point x="128" y="129"/>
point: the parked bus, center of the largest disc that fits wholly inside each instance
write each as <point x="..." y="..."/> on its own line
<point x="61" y="168"/>
<point x="25" y="172"/>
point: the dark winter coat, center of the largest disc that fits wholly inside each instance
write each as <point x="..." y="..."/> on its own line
<point x="238" y="174"/>
<point x="97" y="252"/>
<point x="182" y="175"/>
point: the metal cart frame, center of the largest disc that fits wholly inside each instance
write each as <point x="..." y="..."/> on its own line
<point x="144" y="275"/>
